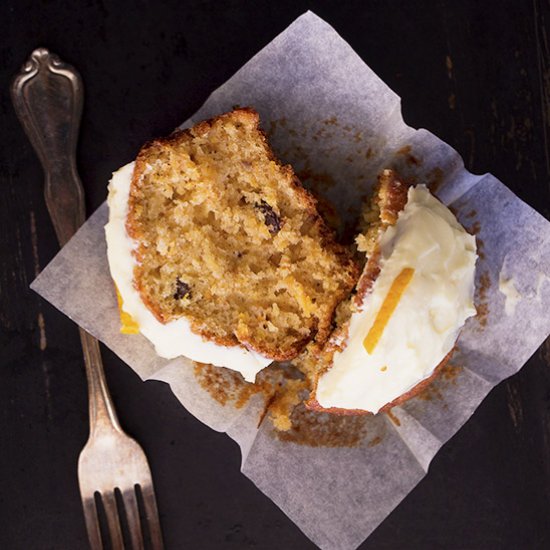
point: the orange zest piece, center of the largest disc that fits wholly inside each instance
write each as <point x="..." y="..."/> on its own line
<point x="127" y="323"/>
<point x="388" y="307"/>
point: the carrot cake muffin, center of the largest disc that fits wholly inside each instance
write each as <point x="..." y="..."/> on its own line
<point x="217" y="251"/>
<point x="413" y="297"/>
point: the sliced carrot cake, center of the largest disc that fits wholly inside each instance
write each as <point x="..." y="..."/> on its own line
<point x="217" y="251"/>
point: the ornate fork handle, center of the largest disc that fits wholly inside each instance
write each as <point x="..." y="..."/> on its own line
<point x="48" y="96"/>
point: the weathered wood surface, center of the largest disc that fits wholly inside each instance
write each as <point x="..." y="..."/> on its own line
<point x="476" y="74"/>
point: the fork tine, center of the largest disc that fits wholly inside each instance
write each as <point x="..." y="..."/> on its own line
<point x="109" y="503"/>
<point x="151" y="513"/>
<point x="132" y="515"/>
<point x="92" y="523"/>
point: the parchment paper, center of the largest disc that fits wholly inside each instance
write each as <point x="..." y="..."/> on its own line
<point x="330" y="116"/>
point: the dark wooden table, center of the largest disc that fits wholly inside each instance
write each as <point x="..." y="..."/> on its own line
<point x="476" y="75"/>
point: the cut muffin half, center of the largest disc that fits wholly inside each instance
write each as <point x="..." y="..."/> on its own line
<point x="227" y="238"/>
<point x="413" y="297"/>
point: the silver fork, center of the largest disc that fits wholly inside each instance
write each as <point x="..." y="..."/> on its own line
<point x="47" y="95"/>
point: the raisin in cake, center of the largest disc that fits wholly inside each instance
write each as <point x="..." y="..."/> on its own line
<point x="217" y="251"/>
<point x="413" y="297"/>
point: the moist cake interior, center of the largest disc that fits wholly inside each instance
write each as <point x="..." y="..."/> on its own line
<point x="229" y="238"/>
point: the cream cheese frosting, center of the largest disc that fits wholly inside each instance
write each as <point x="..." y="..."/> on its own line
<point x="430" y="247"/>
<point x="174" y="338"/>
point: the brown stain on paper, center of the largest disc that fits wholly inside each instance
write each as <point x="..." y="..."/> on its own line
<point x="317" y="429"/>
<point x="410" y="159"/>
<point x="412" y="172"/>
<point x="278" y="385"/>
<point x="224" y="385"/>
<point x="480" y="248"/>
<point x="435" y="178"/>
<point x="283" y="397"/>
<point x="436" y="389"/>
<point x="375" y="441"/>
<point x="481" y="300"/>
<point x="475" y="228"/>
